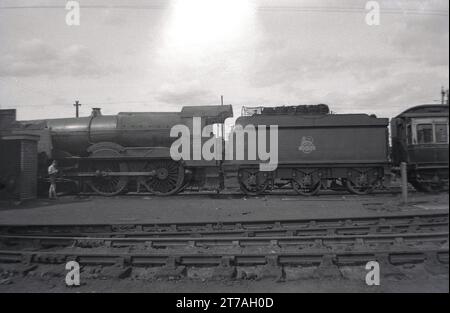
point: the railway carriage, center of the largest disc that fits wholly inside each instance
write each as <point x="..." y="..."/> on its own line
<point x="420" y="138"/>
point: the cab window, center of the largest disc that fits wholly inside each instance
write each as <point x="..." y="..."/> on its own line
<point x="441" y="133"/>
<point x="425" y="133"/>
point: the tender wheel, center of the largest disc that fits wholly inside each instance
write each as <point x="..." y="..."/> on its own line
<point x="168" y="179"/>
<point x="253" y="182"/>
<point x="360" y="182"/>
<point x="306" y="185"/>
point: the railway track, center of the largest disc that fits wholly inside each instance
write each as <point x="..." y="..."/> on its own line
<point x="325" y="264"/>
<point x="312" y="257"/>
<point x="237" y="193"/>
<point x="293" y="227"/>
<point x="274" y="245"/>
<point x="281" y="241"/>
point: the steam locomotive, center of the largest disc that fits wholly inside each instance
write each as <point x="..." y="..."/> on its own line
<point x="113" y="154"/>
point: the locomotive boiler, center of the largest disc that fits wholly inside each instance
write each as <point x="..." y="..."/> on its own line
<point x="109" y="154"/>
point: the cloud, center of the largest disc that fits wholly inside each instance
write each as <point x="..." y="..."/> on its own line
<point x="190" y="93"/>
<point x="113" y="18"/>
<point x="276" y="58"/>
<point x="424" y="40"/>
<point x="350" y="66"/>
<point x="37" y="58"/>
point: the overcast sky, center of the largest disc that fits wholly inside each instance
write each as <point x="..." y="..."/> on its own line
<point x="189" y="52"/>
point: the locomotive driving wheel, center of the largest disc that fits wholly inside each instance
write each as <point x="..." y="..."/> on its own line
<point x="306" y="184"/>
<point x="253" y="182"/>
<point x="168" y="178"/>
<point x="105" y="184"/>
<point x="361" y="182"/>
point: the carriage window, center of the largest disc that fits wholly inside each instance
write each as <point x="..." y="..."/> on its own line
<point x="441" y="132"/>
<point x="424" y="133"/>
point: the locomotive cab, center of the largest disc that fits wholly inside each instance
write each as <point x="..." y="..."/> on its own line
<point x="420" y="138"/>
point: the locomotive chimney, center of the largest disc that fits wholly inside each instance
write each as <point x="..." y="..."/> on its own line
<point x="96" y="112"/>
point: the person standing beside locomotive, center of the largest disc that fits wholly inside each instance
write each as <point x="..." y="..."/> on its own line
<point x="52" y="171"/>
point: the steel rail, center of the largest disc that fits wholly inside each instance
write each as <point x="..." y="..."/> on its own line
<point x="392" y="239"/>
<point x="234" y="191"/>
<point x="361" y="225"/>
<point x="304" y="257"/>
<point x="341" y="230"/>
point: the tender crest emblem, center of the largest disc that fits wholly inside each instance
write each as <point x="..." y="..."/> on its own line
<point x="307" y="145"/>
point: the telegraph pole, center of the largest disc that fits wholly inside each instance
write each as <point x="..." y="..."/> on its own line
<point x="443" y="95"/>
<point x="223" y="124"/>
<point x="77" y="110"/>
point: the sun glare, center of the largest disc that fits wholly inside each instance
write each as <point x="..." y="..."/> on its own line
<point x="200" y="23"/>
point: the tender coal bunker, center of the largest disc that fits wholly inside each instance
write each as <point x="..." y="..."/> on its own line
<point x="299" y="109"/>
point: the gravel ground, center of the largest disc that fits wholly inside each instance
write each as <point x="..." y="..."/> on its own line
<point x="420" y="284"/>
<point x="195" y="208"/>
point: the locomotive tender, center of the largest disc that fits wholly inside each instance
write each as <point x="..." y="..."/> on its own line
<point x="318" y="150"/>
<point x="111" y="154"/>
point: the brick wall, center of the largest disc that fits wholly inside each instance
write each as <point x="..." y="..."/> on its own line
<point x="28" y="173"/>
<point x="18" y="169"/>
